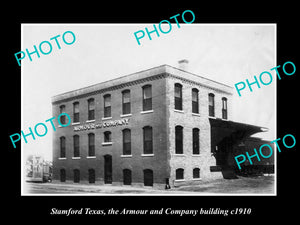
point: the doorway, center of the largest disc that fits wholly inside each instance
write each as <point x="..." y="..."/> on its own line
<point x="107" y="169"/>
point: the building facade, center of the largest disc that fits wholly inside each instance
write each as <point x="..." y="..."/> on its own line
<point x="151" y="128"/>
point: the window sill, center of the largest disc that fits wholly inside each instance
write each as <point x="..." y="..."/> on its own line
<point x="178" y="110"/>
<point x="148" y="111"/>
<point x="179" y="155"/>
<point x="147" y="155"/>
<point x="197" y="179"/>
<point x="125" y="115"/>
<point x="62" y="158"/>
<point x="195" y="155"/>
<point x="91" y="157"/>
<point x="90" y="121"/>
<point x="196" y="114"/>
<point x="213" y="117"/>
<point x="126" y="156"/>
<point x="76" y="157"/>
<point x="106" y="143"/>
<point x="106" y="118"/>
<point x="181" y="180"/>
<point x="75" y="123"/>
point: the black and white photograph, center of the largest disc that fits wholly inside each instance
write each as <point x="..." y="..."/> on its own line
<point x="122" y="115"/>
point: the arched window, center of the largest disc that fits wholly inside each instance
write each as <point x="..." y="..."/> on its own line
<point x="126" y="102"/>
<point x="148" y="177"/>
<point x="75" y="112"/>
<point x="178" y="96"/>
<point x="195" y="100"/>
<point x="76" y="146"/>
<point x="126" y="142"/>
<point x="76" y="177"/>
<point x="107" y="136"/>
<point x="178" y="140"/>
<point x="62" y="147"/>
<point x="91" y="150"/>
<point x="127" y="177"/>
<point x="62" y="175"/>
<point x="196" y="145"/>
<point x="196" y="173"/>
<point x="92" y="176"/>
<point x="147" y="97"/>
<point x="91" y="109"/>
<point x="224" y="108"/>
<point x="179" y="174"/>
<point x="107" y="105"/>
<point x="211" y="104"/>
<point x="148" y="140"/>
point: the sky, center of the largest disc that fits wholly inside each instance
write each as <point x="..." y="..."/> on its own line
<point x="227" y="53"/>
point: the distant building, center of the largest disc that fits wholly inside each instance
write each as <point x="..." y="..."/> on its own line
<point x="157" y="126"/>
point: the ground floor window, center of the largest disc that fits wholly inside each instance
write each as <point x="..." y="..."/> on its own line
<point x="196" y="173"/>
<point x="179" y="174"/>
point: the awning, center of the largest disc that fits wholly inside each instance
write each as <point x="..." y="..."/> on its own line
<point x="221" y="129"/>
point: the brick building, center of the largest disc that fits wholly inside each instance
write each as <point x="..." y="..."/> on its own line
<point x="161" y="125"/>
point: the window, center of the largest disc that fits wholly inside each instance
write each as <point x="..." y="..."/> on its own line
<point x="148" y="145"/>
<point x="126" y="142"/>
<point x="62" y="147"/>
<point x="62" y="109"/>
<point x="195" y="100"/>
<point x="92" y="177"/>
<point x="91" y="151"/>
<point x="91" y="109"/>
<point x="178" y="96"/>
<point x="75" y="112"/>
<point x="126" y="102"/>
<point x="179" y="174"/>
<point x="62" y="175"/>
<point x="107" y="136"/>
<point x="196" y="149"/>
<point x="178" y="140"/>
<point x="148" y="177"/>
<point x="147" y="98"/>
<point x="224" y="108"/>
<point x="107" y="105"/>
<point x="196" y="173"/>
<point x="76" y="146"/>
<point x="127" y="177"/>
<point x="211" y="104"/>
<point x="76" y="177"/>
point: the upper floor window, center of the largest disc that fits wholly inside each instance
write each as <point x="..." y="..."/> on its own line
<point x="211" y="104"/>
<point x="147" y="97"/>
<point x="76" y="145"/>
<point x="107" y="136"/>
<point x="62" y="147"/>
<point x="75" y="112"/>
<point x="126" y="142"/>
<point x="148" y="140"/>
<point x="224" y="108"/>
<point x="62" y="109"/>
<point x="178" y="96"/>
<point x="91" y="109"/>
<point x="107" y="105"/>
<point x="91" y="150"/>
<point x="178" y="140"/>
<point x="196" y="146"/>
<point x="126" y="102"/>
<point x="195" y="100"/>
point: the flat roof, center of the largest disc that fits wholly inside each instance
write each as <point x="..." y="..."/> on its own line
<point x="159" y="70"/>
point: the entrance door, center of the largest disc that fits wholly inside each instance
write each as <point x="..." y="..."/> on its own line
<point x="127" y="177"/>
<point x="107" y="169"/>
<point x="148" y="177"/>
